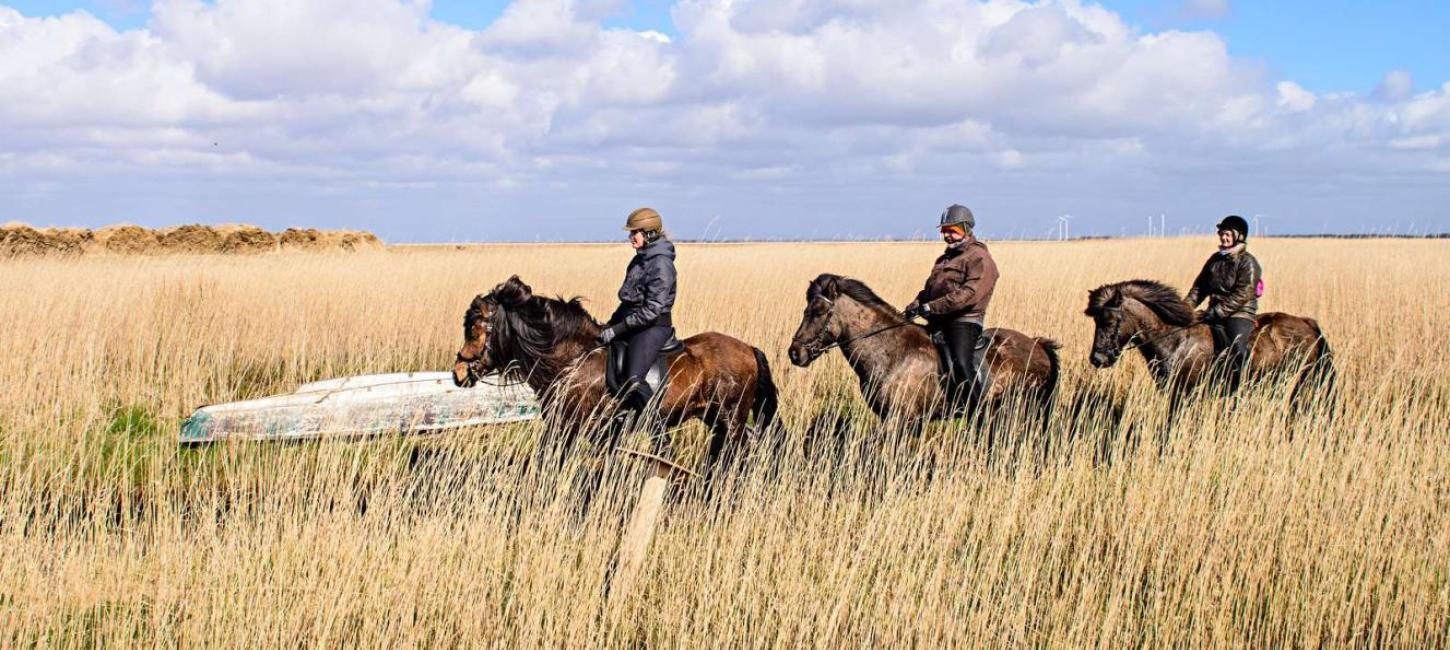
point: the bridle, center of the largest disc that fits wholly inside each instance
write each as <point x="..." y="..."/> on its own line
<point x="818" y="351"/>
<point x="473" y="363"/>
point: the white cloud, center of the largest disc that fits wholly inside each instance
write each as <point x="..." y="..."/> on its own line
<point x="1294" y="97"/>
<point x="1420" y="142"/>
<point x="1397" y="86"/>
<point x="806" y="94"/>
<point x="1010" y="159"/>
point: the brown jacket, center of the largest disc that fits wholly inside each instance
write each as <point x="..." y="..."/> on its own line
<point x="1230" y="283"/>
<point x="961" y="283"/>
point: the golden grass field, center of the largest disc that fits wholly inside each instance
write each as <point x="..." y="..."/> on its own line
<point x="1251" y="528"/>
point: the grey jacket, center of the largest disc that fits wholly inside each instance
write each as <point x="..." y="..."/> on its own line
<point x="648" y="293"/>
<point x="1229" y="280"/>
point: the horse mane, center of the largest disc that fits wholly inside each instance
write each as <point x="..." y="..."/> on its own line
<point x="527" y="327"/>
<point x="1163" y="300"/>
<point x="827" y="284"/>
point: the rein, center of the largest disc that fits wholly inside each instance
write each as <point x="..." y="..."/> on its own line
<point x="867" y="335"/>
<point x="1172" y="329"/>
<point x="853" y="339"/>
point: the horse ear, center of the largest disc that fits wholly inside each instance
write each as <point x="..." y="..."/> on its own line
<point x="829" y="289"/>
<point x="513" y="292"/>
<point x="524" y="289"/>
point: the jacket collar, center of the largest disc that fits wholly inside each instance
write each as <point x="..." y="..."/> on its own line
<point x="659" y="247"/>
<point x="1233" y="251"/>
<point x="956" y="249"/>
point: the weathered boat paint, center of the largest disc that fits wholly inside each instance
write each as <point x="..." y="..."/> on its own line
<point x="367" y="405"/>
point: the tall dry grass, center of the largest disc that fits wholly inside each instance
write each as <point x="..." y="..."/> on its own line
<point x="1250" y="527"/>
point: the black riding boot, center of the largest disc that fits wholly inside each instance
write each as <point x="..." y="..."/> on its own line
<point x="642" y="350"/>
<point x="1231" y="337"/>
<point x="639" y="357"/>
<point x="961" y="341"/>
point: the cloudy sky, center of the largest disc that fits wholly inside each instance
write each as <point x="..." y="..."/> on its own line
<point x="551" y="119"/>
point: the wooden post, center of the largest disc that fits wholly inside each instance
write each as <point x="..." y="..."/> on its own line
<point x="634" y="546"/>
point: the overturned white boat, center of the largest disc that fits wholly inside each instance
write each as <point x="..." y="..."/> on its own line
<point x="367" y="405"/>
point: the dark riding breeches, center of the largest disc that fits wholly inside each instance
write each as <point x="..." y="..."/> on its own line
<point x="961" y="339"/>
<point x="641" y="354"/>
<point x="1231" y="337"/>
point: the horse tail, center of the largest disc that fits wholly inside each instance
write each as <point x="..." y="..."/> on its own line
<point x="1054" y="370"/>
<point x="766" y="398"/>
<point x="1320" y="373"/>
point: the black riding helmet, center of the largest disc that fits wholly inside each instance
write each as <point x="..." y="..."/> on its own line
<point x="958" y="215"/>
<point x="1235" y="223"/>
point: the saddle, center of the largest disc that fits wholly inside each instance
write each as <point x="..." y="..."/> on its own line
<point x="980" y="368"/>
<point x="657" y="376"/>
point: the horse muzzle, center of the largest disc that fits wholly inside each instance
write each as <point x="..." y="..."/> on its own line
<point x="800" y="355"/>
<point x="1101" y="359"/>
<point x="466" y="372"/>
<point x="462" y="377"/>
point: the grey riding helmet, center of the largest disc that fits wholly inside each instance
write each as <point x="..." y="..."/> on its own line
<point x="958" y="215"/>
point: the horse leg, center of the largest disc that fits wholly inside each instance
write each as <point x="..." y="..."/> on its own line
<point x="727" y="432"/>
<point x="1316" y="379"/>
<point x="1177" y="394"/>
<point x="721" y="430"/>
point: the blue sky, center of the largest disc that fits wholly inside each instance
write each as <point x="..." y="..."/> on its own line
<point x="757" y="119"/>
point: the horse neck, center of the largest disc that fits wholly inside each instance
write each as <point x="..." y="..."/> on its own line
<point x="568" y="352"/>
<point x="1159" y="340"/>
<point x="870" y="354"/>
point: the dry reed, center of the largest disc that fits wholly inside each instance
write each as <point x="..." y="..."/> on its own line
<point x="1251" y="527"/>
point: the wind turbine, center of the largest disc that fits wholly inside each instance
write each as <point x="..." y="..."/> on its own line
<point x="1063" y="222"/>
<point x="1258" y="228"/>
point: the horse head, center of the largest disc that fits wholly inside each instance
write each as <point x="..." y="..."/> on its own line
<point x="481" y="326"/>
<point x="818" y="328"/>
<point x="1122" y="312"/>
<point x="1105" y="307"/>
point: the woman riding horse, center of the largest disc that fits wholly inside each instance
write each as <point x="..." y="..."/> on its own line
<point x="642" y="321"/>
<point x="551" y="344"/>
<point x="955" y="298"/>
<point x="1178" y="347"/>
<point x="894" y="360"/>
<point x="1231" y="282"/>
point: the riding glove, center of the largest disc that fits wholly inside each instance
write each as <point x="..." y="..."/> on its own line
<point x="606" y="335"/>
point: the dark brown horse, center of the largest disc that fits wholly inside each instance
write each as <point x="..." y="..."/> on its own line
<point x="1154" y="319"/>
<point x="895" y="361"/>
<point x="550" y="344"/>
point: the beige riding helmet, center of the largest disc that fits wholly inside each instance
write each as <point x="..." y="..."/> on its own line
<point x="644" y="219"/>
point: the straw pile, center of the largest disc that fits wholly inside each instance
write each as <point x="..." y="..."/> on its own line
<point x="18" y="239"/>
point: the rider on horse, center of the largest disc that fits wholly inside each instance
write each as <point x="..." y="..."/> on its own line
<point x="642" y="320"/>
<point x="955" y="298"/>
<point x="1231" y="281"/>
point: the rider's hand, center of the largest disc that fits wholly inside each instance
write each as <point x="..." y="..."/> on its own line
<point x="912" y="310"/>
<point x="606" y="335"/>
